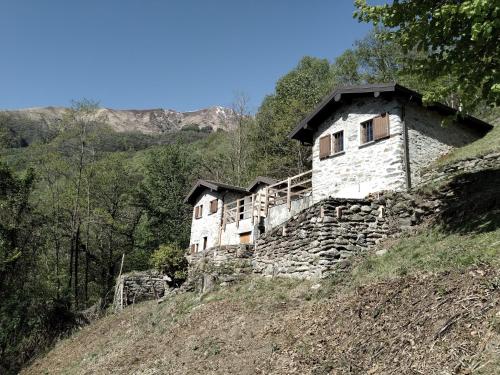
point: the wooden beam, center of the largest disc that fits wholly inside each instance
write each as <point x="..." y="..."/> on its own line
<point x="238" y="213"/>
<point x="266" y="208"/>
<point x="289" y="193"/>
<point x="252" y="210"/>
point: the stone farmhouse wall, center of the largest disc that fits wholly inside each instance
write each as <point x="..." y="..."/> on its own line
<point x="360" y="169"/>
<point x="428" y="138"/>
<point x="209" y="224"/>
<point x="324" y="237"/>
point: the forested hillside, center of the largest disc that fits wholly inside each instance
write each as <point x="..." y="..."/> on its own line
<point x="77" y="197"/>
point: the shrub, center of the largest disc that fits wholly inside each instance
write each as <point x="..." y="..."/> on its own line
<point x="170" y="260"/>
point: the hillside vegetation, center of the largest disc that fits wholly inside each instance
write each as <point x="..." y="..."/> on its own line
<point x="430" y="305"/>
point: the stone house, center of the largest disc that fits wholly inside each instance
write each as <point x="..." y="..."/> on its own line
<point x="209" y="198"/>
<point x="365" y="139"/>
<point x="370" y="138"/>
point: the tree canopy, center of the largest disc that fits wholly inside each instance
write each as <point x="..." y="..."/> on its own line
<point x="453" y="43"/>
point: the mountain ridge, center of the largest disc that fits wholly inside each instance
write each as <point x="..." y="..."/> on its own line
<point x="146" y="121"/>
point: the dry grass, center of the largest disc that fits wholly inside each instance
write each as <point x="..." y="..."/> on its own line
<point x="431" y="323"/>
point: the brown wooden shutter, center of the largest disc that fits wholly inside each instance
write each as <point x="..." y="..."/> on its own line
<point x="213" y="206"/>
<point x="381" y="126"/>
<point x="196" y="212"/>
<point x="193" y="247"/>
<point x="325" y="146"/>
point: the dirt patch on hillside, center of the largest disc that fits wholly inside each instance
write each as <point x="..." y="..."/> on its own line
<point x="446" y="323"/>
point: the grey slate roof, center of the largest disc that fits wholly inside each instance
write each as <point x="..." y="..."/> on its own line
<point x="305" y="129"/>
<point x="261" y="180"/>
<point x="212" y="185"/>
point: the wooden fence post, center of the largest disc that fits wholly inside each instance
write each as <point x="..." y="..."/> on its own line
<point x="289" y="193"/>
<point x="238" y="213"/>
<point x="266" y="207"/>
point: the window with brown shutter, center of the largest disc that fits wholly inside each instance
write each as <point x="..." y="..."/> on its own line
<point x="375" y="129"/>
<point x="325" y="146"/>
<point x="213" y="206"/>
<point x="381" y="126"/>
<point x="338" y="142"/>
<point x="366" y="131"/>
<point x="198" y="211"/>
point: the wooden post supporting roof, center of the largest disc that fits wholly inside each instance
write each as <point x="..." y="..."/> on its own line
<point x="252" y="210"/>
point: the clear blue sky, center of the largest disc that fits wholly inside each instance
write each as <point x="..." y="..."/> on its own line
<point x="179" y="54"/>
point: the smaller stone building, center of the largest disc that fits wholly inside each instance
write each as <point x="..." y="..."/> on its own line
<point x="210" y="226"/>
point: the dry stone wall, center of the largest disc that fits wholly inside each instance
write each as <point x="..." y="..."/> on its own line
<point x="218" y="265"/>
<point x="320" y="238"/>
<point x="489" y="161"/>
<point x="136" y="287"/>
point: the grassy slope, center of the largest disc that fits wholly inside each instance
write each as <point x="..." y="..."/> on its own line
<point x="485" y="145"/>
<point x="430" y="303"/>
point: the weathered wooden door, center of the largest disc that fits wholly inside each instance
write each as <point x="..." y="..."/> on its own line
<point x="245" y="237"/>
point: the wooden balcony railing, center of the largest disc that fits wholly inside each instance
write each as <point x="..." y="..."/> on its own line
<point x="257" y="205"/>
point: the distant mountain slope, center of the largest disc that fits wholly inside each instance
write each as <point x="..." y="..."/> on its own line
<point x="147" y="121"/>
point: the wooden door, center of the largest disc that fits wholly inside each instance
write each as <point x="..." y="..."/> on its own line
<point x="245" y="237"/>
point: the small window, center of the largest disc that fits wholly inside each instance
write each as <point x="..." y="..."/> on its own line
<point x="196" y="248"/>
<point x="205" y="242"/>
<point x="375" y="129"/>
<point x="325" y="146"/>
<point x="213" y="206"/>
<point x="198" y="211"/>
<point x="338" y="142"/>
<point x="367" y="132"/>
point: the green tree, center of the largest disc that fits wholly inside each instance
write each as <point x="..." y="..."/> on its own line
<point x="296" y="94"/>
<point x="455" y="44"/>
<point x="169" y="173"/>
<point x="170" y="260"/>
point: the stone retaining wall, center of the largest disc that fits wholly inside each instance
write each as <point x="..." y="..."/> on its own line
<point x="218" y="265"/>
<point x="320" y="238"/>
<point x="139" y="286"/>
<point x="448" y="171"/>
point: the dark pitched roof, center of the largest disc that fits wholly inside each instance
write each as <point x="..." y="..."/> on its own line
<point x="212" y="185"/>
<point x="305" y="129"/>
<point x="261" y="180"/>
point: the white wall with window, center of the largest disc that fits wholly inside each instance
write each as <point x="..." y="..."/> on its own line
<point x="359" y="150"/>
<point x="206" y="221"/>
